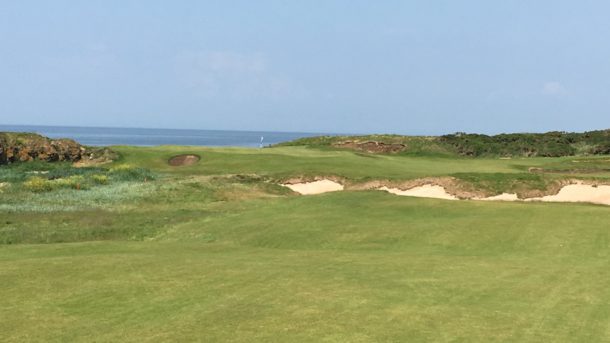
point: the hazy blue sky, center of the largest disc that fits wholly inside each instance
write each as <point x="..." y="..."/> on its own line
<point x="414" y="67"/>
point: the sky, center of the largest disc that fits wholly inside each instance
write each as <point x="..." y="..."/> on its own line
<point x="407" y="67"/>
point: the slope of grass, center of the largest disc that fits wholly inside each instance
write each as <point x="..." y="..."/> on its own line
<point x="295" y="161"/>
<point x="353" y="266"/>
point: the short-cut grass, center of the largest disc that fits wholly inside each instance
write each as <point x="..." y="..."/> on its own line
<point x="284" y="162"/>
<point x="218" y="252"/>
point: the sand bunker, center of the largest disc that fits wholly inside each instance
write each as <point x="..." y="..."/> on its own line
<point x="425" y="191"/>
<point x="500" y="197"/>
<point x="315" y="187"/>
<point x="183" y="160"/>
<point x="579" y="193"/>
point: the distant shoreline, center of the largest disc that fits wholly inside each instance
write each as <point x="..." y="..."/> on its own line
<point x="105" y="136"/>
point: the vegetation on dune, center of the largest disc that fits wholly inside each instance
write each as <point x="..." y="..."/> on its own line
<point x="413" y="145"/>
<point x="525" y="185"/>
<point x="44" y="187"/>
<point x="39" y="176"/>
<point x="550" y="144"/>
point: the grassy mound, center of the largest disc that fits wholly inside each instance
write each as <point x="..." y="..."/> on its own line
<point x="183" y="160"/>
<point x="550" y="144"/>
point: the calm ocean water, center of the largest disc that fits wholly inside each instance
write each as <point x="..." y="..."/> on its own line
<point x="101" y="136"/>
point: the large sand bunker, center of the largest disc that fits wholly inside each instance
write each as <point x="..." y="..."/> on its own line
<point x="425" y="191"/>
<point x="315" y="187"/>
<point x="183" y="160"/>
<point x="578" y="192"/>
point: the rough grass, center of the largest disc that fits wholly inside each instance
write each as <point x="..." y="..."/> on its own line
<point x="40" y="176"/>
<point x="71" y="199"/>
<point x="497" y="183"/>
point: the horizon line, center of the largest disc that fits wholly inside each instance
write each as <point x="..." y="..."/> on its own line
<point x="300" y="132"/>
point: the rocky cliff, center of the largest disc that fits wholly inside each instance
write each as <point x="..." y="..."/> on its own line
<point x="23" y="147"/>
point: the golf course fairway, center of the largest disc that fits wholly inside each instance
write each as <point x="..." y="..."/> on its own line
<point x="140" y="250"/>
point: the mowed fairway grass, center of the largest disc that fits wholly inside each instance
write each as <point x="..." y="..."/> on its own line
<point x="291" y="161"/>
<point x="204" y="256"/>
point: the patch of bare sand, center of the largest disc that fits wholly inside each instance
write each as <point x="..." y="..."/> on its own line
<point x="425" y="191"/>
<point x="449" y="189"/>
<point x="315" y="187"/>
<point x="500" y="197"/>
<point x="579" y="192"/>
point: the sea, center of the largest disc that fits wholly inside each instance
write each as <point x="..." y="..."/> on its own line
<point x="105" y="136"/>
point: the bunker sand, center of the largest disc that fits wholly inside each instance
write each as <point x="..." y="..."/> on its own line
<point x="578" y="192"/>
<point x="315" y="187"/>
<point x="425" y="191"/>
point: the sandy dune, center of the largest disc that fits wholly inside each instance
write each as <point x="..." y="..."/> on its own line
<point x="315" y="187"/>
<point x="425" y="191"/>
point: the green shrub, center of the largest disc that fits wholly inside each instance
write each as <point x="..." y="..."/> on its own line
<point x="121" y="167"/>
<point x="601" y="149"/>
<point x="67" y="170"/>
<point x="99" y="179"/>
<point x="125" y="172"/>
<point x="74" y="182"/>
<point x="38" y="184"/>
<point x="43" y="176"/>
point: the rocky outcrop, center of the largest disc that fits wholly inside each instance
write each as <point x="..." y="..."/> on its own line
<point x="23" y="147"/>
